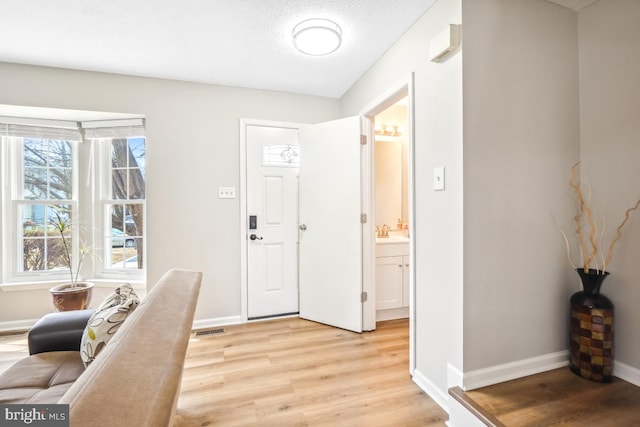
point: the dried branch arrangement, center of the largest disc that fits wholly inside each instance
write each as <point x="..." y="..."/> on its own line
<point x="589" y="235"/>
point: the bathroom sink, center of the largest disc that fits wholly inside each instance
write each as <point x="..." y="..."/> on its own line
<point x="392" y="239"/>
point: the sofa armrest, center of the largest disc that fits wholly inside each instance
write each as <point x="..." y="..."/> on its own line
<point x="58" y="331"/>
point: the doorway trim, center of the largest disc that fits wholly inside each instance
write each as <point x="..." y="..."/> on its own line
<point x="401" y="89"/>
<point x="244" y="283"/>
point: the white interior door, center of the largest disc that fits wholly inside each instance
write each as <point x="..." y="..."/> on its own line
<point x="330" y="229"/>
<point x="272" y="219"/>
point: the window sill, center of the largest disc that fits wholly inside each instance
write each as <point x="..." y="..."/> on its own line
<point x="138" y="285"/>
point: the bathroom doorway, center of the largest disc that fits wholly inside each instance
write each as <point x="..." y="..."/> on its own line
<point x="389" y="255"/>
<point x="391" y="212"/>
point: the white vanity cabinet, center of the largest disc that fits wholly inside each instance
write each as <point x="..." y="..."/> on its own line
<point x="392" y="279"/>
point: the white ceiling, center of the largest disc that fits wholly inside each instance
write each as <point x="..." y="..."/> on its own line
<point x="244" y="43"/>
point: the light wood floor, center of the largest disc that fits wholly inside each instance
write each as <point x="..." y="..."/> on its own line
<point x="558" y="398"/>
<point x="13" y="347"/>
<point x="292" y="372"/>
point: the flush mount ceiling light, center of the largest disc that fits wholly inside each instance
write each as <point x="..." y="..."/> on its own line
<point x="317" y="37"/>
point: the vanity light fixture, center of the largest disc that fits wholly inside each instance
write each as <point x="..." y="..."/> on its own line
<point x="317" y="37"/>
<point x="388" y="130"/>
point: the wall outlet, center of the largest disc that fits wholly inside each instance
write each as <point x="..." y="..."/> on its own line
<point x="438" y="178"/>
<point x="226" y="192"/>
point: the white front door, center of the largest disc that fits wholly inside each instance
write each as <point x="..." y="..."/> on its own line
<point x="330" y="226"/>
<point x="272" y="156"/>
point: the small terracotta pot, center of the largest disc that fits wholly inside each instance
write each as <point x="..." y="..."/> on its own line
<point x="67" y="298"/>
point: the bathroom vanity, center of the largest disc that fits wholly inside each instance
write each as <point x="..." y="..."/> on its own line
<point x="392" y="278"/>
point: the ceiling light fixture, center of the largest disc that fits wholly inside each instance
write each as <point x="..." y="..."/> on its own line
<point x="317" y="37"/>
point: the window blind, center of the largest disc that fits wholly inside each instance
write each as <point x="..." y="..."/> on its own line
<point x="125" y="128"/>
<point x="45" y="129"/>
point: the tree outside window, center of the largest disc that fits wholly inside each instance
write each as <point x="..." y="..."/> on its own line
<point x="47" y="185"/>
<point x="125" y="223"/>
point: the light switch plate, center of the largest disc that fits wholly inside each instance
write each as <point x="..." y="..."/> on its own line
<point x="438" y="178"/>
<point x="226" y="192"/>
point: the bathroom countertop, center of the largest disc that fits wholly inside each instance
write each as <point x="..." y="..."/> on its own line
<point x="390" y="240"/>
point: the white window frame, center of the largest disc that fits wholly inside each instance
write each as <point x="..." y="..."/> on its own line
<point x="103" y="206"/>
<point x="15" y="177"/>
<point x="4" y="194"/>
<point x="91" y="160"/>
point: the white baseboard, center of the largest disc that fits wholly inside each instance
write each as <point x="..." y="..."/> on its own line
<point x="216" y="321"/>
<point x="512" y="370"/>
<point x="522" y="368"/>
<point x="392" y="314"/>
<point x="626" y="372"/>
<point x="442" y="399"/>
<point x="17" y="325"/>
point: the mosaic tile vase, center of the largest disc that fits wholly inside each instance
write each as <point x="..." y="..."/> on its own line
<point x="591" y="329"/>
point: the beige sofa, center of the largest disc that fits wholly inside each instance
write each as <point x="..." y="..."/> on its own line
<point x="135" y="381"/>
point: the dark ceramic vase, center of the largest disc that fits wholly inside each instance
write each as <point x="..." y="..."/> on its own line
<point x="592" y="329"/>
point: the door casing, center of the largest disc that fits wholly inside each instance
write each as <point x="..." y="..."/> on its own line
<point x="401" y="89"/>
<point x="272" y="196"/>
<point x="244" y="283"/>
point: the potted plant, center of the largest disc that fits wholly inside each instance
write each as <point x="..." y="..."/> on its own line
<point x="73" y="295"/>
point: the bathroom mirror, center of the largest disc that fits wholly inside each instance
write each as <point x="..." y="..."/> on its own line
<point x="391" y="177"/>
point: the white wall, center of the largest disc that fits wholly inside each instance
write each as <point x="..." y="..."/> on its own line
<point x="521" y="122"/>
<point x="503" y="298"/>
<point x="609" y="33"/>
<point x="438" y="230"/>
<point x="192" y="149"/>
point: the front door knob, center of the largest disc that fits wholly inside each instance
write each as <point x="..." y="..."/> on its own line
<point x="254" y="237"/>
<point x="303" y="227"/>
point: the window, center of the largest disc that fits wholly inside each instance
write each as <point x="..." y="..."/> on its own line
<point x="124" y="204"/>
<point x="46" y="191"/>
<point x="42" y="166"/>
<point x="38" y="183"/>
<point x="122" y="162"/>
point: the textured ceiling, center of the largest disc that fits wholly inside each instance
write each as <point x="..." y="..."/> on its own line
<point x="576" y="5"/>
<point x="244" y="43"/>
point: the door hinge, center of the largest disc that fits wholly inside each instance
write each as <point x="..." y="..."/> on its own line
<point x="363" y="139"/>
<point x="363" y="297"/>
<point x="363" y="218"/>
